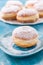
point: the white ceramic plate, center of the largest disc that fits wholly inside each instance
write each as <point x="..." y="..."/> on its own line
<point x="18" y="23"/>
<point x="10" y="48"/>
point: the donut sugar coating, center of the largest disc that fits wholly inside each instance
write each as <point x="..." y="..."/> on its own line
<point x="27" y="15"/>
<point x="39" y="8"/>
<point x="25" y="36"/>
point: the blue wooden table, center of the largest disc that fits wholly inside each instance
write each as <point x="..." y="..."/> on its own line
<point x="36" y="59"/>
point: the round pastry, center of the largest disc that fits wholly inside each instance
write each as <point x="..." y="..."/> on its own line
<point x="27" y="15"/>
<point x="9" y="13"/>
<point x="39" y="8"/>
<point x="17" y="3"/>
<point x="30" y="3"/>
<point x="25" y="36"/>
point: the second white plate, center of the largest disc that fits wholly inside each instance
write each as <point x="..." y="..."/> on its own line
<point x="10" y="48"/>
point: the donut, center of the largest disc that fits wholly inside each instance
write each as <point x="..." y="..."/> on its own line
<point x="9" y="13"/>
<point x="30" y="3"/>
<point x="27" y="15"/>
<point x="39" y="8"/>
<point x="25" y="36"/>
<point x="17" y="3"/>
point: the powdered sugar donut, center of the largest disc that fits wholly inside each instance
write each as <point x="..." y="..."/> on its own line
<point x="25" y="36"/>
<point x="27" y="15"/>
<point x="39" y="8"/>
<point x="30" y="3"/>
<point x="9" y="13"/>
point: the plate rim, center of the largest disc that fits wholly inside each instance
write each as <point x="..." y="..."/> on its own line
<point x="20" y="55"/>
<point x="19" y="23"/>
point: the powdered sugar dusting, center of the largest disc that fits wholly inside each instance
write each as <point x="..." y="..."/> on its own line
<point x="39" y="6"/>
<point x="26" y="11"/>
<point x="14" y="3"/>
<point x="31" y="2"/>
<point x="26" y="32"/>
<point x="10" y="9"/>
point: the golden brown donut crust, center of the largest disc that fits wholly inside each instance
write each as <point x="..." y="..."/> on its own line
<point x="41" y="14"/>
<point x="28" y="19"/>
<point x="24" y="43"/>
<point x="9" y="16"/>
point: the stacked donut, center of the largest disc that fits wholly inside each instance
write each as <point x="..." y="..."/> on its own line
<point x="15" y="10"/>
